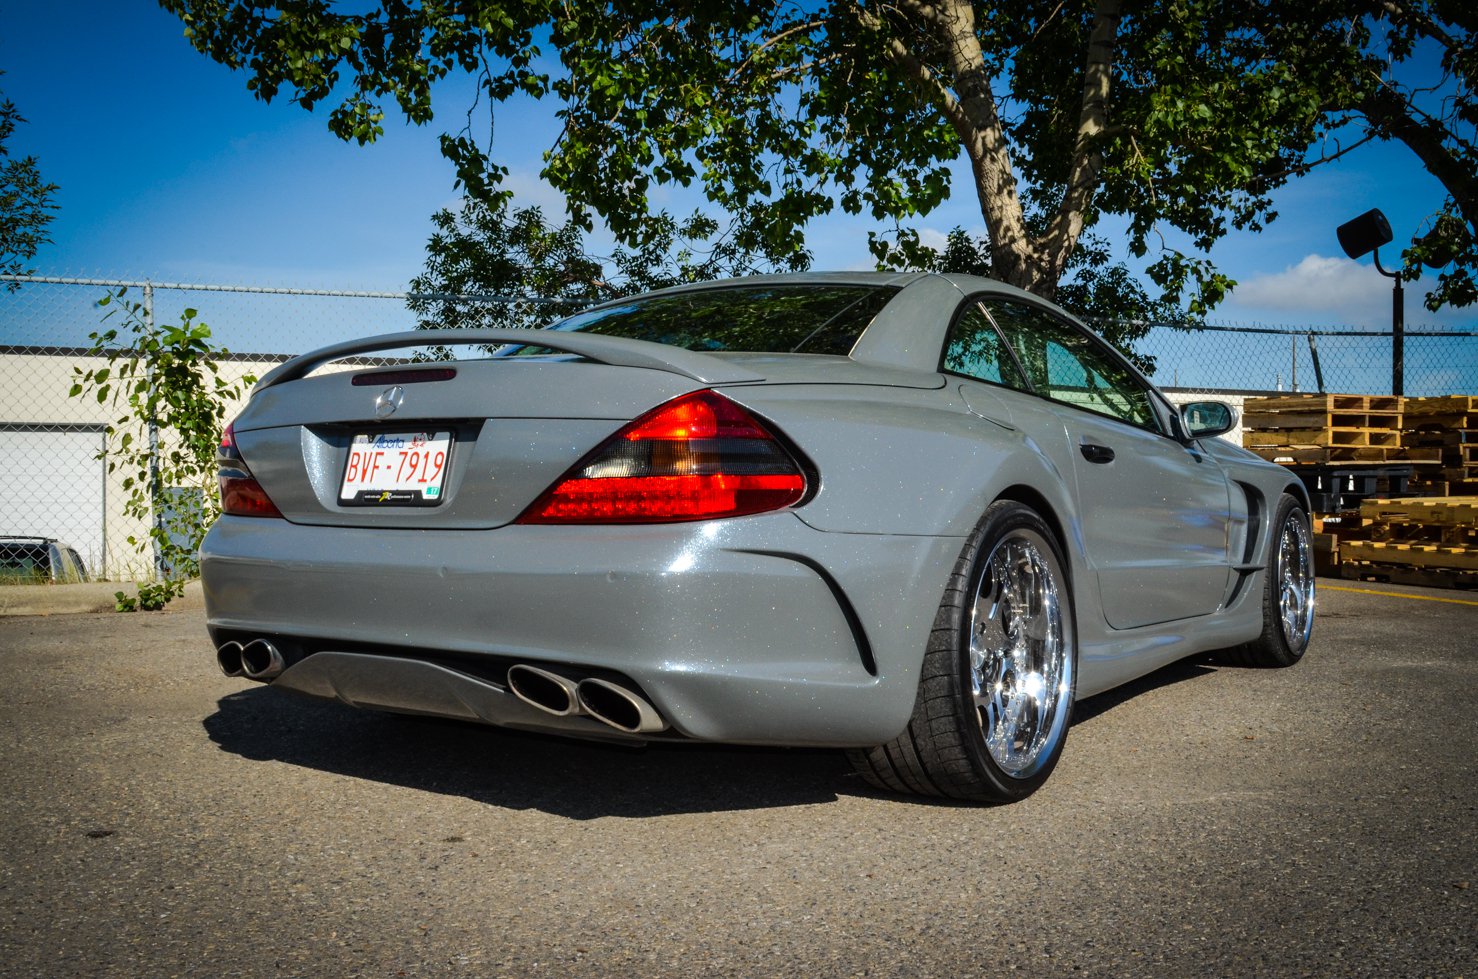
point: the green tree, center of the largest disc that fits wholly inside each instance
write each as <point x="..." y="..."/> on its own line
<point x="1180" y="115"/>
<point x="26" y="205"/>
<point x="1096" y="288"/>
<point x="1402" y="70"/>
<point x="490" y="249"/>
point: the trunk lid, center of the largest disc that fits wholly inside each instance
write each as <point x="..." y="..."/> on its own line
<point x="514" y="426"/>
<point x="510" y="426"/>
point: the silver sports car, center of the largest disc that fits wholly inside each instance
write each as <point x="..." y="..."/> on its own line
<point x="912" y="515"/>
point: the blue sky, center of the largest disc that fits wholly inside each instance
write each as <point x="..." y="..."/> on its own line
<point x="169" y="169"/>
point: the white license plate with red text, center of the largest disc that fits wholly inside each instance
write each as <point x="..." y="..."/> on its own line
<point x="396" y="468"/>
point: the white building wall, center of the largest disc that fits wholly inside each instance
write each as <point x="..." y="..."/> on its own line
<point x="51" y="483"/>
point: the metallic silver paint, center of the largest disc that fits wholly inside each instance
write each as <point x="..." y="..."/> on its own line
<point x="757" y="629"/>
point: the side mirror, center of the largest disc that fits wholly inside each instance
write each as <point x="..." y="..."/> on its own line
<point x="1207" y="419"/>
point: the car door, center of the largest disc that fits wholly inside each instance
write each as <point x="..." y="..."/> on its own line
<point x="1154" y="512"/>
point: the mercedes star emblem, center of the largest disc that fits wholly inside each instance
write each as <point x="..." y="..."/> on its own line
<point x="388" y="401"/>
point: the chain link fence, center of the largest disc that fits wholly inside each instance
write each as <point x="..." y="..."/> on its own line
<point x="54" y="478"/>
<point x="1263" y="360"/>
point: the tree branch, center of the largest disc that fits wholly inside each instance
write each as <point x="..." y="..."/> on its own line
<point x="1067" y="225"/>
<point x="1421" y="21"/>
<point x="924" y="80"/>
<point x="1385" y="109"/>
<point x="771" y="42"/>
<point x="1302" y="168"/>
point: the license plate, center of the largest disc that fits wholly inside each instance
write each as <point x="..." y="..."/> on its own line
<point x="396" y="469"/>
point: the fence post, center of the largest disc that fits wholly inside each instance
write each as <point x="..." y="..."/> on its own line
<point x="1314" y="355"/>
<point x="156" y="518"/>
<point x="1398" y="339"/>
<point x="102" y="566"/>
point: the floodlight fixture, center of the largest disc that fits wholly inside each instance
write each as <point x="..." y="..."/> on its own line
<point x="1363" y="236"/>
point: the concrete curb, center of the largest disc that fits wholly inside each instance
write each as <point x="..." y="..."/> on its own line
<point x="93" y="596"/>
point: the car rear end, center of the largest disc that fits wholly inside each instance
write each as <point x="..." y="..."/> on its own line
<point x="605" y="543"/>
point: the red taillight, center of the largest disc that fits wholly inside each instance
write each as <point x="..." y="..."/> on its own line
<point x="241" y="494"/>
<point x="698" y="457"/>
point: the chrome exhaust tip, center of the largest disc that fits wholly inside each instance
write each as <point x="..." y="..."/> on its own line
<point x="622" y="709"/>
<point x="550" y="692"/>
<point x="260" y="660"/>
<point x="228" y="657"/>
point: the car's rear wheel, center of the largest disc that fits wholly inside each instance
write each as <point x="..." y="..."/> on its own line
<point x="1288" y="594"/>
<point x="996" y="691"/>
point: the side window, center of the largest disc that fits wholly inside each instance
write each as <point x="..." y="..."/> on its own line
<point x="975" y="350"/>
<point x="66" y="566"/>
<point x="1067" y="365"/>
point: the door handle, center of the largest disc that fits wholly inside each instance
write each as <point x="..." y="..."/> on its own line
<point x="1096" y="453"/>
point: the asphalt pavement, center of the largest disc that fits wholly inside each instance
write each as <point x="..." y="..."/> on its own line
<point x="160" y="819"/>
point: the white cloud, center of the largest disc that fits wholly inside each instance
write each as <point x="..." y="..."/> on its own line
<point x="1324" y="291"/>
<point x="933" y="238"/>
<point x="1321" y="288"/>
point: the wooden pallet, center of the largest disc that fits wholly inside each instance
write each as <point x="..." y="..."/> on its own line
<point x="1453" y="511"/>
<point x="1358" y="437"/>
<point x="1439" y="485"/>
<point x="1439" y="438"/>
<point x="1401" y="533"/>
<point x="1326" y="554"/>
<point x="1398" y="574"/>
<point x="1453" y="412"/>
<point x="1426" y="535"/>
<point x="1321" y="412"/>
<point x="1424" y="556"/>
<point x="1383" y="403"/>
<point x="1342" y="454"/>
<point x="1447" y="404"/>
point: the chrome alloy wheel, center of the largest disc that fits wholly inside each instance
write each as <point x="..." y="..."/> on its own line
<point x="1295" y="570"/>
<point x="1020" y="654"/>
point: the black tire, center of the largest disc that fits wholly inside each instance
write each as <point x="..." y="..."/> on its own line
<point x="951" y="747"/>
<point x="1287" y="594"/>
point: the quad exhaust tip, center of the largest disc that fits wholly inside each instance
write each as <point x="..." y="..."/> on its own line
<point x="605" y="701"/>
<point x="550" y="692"/>
<point x="619" y="707"/>
<point x="256" y="660"/>
<point x="229" y="658"/>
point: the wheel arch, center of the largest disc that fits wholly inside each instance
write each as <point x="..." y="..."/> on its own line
<point x="1030" y="496"/>
<point x="1296" y="489"/>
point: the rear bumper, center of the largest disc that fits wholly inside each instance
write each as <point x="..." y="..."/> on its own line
<point x="755" y="630"/>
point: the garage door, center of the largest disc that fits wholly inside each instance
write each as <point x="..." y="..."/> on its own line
<point x="51" y="485"/>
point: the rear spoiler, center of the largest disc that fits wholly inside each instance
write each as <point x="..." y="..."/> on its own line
<point x="616" y="351"/>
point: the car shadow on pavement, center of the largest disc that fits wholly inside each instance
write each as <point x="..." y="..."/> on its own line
<point x="515" y="770"/>
<point x="561" y="776"/>
<point x="1187" y="669"/>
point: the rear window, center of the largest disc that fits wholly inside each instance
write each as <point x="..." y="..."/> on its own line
<point x="813" y="319"/>
<point x="24" y="563"/>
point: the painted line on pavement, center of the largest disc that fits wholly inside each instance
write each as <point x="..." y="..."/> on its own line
<point x="1398" y="594"/>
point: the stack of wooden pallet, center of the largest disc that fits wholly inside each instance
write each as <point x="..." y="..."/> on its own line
<point x="1326" y="429"/>
<point x="1413" y="541"/>
<point x="1446" y="427"/>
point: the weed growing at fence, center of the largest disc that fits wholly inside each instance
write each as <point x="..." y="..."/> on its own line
<point x="166" y="381"/>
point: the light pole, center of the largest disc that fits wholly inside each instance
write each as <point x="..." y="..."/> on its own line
<point x="1366" y="234"/>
